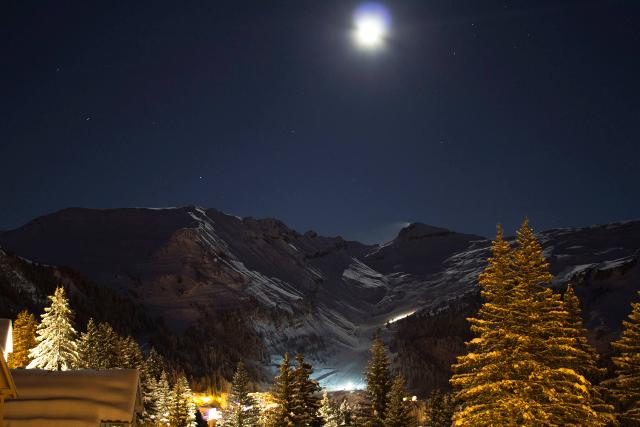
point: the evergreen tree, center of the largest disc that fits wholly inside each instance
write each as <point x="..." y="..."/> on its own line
<point x="100" y="347"/>
<point x="242" y="410"/>
<point x="519" y="369"/>
<point x="162" y="401"/>
<point x="183" y="409"/>
<point x="283" y="395"/>
<point x="150" y="373"/>
<point x="585" y="359"/>
<point x="24" y="339"/>
<point x="149" y="407"/>
<point x="154" y="364"/>
<point x="305" y="395"/>
<point x="56" y="349"/>
<point x="440" y="411"/>
<point x="378" y="379"/>
<point x="398" y="412"/>
<point x="625" y="386"/>
<point x="109" y="345"/>
<point x="496" y="280"/>
<point x="344" y="414"/>
<point x="89" y="350"/>
<point x="328" y="412"/>
<point x="359" y="415"/>
<point x="129" y="353"/>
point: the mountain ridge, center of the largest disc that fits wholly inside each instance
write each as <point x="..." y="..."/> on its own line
<point x="323" y="296"/>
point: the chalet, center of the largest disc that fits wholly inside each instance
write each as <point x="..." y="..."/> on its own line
<point x="82" y="398"/>
<point x="7" y="386"/>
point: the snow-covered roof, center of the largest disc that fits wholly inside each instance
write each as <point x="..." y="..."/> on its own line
<point x="80" y="398"/>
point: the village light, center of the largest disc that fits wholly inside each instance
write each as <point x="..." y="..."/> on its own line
<point x="214" y="414"/>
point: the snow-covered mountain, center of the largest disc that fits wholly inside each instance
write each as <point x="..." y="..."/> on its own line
<point x="323" y="296"/>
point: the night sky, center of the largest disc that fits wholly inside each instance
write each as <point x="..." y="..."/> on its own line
<point x="473" y="112"/>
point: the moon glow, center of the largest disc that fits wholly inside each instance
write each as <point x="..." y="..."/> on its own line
<point x="371" y="26"/>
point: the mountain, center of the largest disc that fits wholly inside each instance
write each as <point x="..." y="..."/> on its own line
<point x="215" y="277"/>
<point x="600" y="261"/>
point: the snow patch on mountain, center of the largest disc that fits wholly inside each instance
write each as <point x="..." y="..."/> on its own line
<point x="360" y="274"/>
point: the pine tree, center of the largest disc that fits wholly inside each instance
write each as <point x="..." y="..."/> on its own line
<point x="344" y="414"/>
<point x="109" y="344"/>
<point x="129" y="354"/>
<point x="283" y="396"/>
<point x="328" y="412"/>
<point x="242" y="410"/>
<point x="625" y="386"/>
<point x="496" y="284"/>
<point x="162" y="401"/>
<point x="24" y="339"/>
<point x="154" y="364"/>
<point x="100" y="347"/>
<point x="440" y="411"/>
<point x="496" y="280"/>
<point x="519" y="370"/>
<point x="149" y="407"/>
<point x="56" y="349"/>
<point x="89" y="350"/>
<point x="378" y="379"/>
<point x="150" y="373"/>
<point x="398" y="412"/>
<point x="305" y="395"/>
<point x="183" y="410"/>
<point x="585" y="359"/>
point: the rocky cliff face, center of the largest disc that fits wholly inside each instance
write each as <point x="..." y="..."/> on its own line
<point x="323" y="296"/>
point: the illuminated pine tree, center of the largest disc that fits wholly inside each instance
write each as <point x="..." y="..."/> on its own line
<point x="378" y="381"/>
<point x="346" y="414"/>
<point x="625" y="386"/>
<point x="150" y="373"/>
<point x="56" y="349"/>
<point x="306" y="401"/>
<point x="129" y="353"/>
<point x="163" y="401"/>
<point x="89" y="347"/>
<point x="283" y="395"/>
<point x="100" y="347"/>
<point x="497" y="279"/>
<point x="522" y="372"/>
<point x="183" y="409"/>
<point x="398" y="412"/>
<point x="328" y="412"/>
<point x="471" y="372"/>
<point x="586" y="357"/>
<point x="242" y="410"/>
<point x="24" y="339"/>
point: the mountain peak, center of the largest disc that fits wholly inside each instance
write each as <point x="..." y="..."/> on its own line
<point x="418" y="230"/>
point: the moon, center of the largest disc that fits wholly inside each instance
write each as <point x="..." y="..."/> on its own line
<point x="371" y="26"/>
